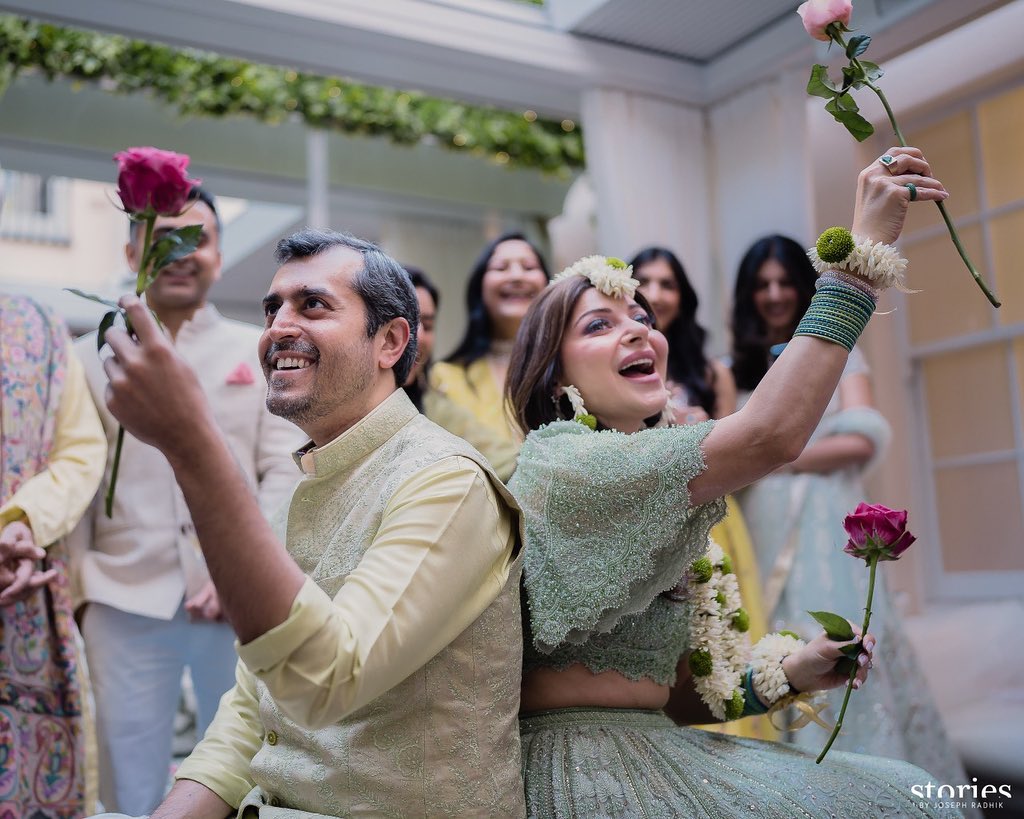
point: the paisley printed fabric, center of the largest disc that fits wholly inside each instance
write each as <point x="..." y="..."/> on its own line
<point x="40" y="700"/>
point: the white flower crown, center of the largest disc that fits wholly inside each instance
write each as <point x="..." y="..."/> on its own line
<point x="609" y="275"/>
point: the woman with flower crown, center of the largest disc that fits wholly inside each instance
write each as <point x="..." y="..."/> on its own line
<point x="633" y="621"/>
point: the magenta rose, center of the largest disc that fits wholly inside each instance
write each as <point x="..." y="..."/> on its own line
<point x="151" y="179"/>
<point x="876" y="529"/>
<point x="818" y="15"/>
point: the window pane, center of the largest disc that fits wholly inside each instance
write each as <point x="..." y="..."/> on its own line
<point x="980" y="518"/>
<point x="948" y="146"/>
<point x="1007" y="231"/>
<point x="950" y="303"/>
<point x="968" y="401"/>
<point x="1001" y="122"/>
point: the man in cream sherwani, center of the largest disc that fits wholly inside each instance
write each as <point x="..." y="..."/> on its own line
<point x="149" y="607"/>
<point x="381" y="651"/>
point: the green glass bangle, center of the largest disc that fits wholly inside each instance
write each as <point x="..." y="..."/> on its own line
<point x="752" y="705"/>
<point x="838" y="313"/>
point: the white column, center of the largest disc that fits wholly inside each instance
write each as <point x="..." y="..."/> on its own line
<point x="318" y="181"/>
<point x="762" y="168"/>
<point x="647" y="160"/>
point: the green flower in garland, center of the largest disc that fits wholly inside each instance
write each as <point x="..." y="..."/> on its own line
<point x="834" y="245"/>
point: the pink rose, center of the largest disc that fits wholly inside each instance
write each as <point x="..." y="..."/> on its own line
<point x="876" y="529"/>
<point x="149" y="178"/>
<point x="818" y="15"/>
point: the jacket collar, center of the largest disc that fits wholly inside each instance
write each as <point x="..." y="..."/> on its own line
<point x="359" y="441"/>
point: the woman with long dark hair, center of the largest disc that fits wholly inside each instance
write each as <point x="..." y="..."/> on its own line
<point x="507" y="276"/>
<point x="437" y="407"/>
<point x="795" y="515"/>
<point x="701" y="388"/>
<point x="633" y="624"/>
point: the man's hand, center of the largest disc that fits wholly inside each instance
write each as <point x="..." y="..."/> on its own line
<point x="151" y="390"/>
<point x="205" y="604"/>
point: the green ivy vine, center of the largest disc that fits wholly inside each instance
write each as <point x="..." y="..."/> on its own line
<point x="198" y="83"/>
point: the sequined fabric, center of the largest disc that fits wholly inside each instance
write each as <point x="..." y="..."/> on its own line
<point x="598" y="763"/>
<point x="609" y="528"/>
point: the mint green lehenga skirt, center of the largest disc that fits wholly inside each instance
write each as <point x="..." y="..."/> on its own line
<point x="591" y="762"/>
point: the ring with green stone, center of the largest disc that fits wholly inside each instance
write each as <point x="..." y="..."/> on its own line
<point x="913" y="191"/>
<point x="887" y="160"/>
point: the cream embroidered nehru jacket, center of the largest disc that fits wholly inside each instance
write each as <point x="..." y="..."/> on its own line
<point x="393" y="687"/>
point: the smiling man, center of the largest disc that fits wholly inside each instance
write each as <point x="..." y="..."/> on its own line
<point x="149" y="607"/>
<point x="379" y="617"/>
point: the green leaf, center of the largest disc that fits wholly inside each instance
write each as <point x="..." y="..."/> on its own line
<point x="857" y="45"/>
<point x="92" y="297"/>
<point x="105" y="324"/>
<point x="851" y="120"/>
<point x="852" y="651"/>
<point x="871" y="70"/>
<point x="174" y="245"/>
<point x="836" y="627"/>
<point x="819" y="85"/>
<point x="845" y="665"/>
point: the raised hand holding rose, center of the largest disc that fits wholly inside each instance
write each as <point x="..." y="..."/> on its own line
<point x="828" y="21"/>
<point x="150" y="183"/>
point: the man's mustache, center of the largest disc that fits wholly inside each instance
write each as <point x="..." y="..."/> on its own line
<point x="290" y="347"/>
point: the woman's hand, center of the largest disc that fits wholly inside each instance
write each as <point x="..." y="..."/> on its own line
<point x="883" y="196"/>
<point x="813" y="667"/>
<point x="19" y="577"/>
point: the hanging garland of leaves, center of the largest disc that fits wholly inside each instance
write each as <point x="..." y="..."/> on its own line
<point x="199" y="83"/>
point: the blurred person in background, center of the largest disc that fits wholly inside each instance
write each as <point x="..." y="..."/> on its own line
<point x="701" y="388"/>
<point x="149" y="608"/>
<point x="53" y="453"/>
<point x="499" y="452"/>
<point x="795" y="515"/>
<point x="507" y="276"/>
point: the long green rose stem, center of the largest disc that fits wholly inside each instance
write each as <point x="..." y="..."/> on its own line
<point x="140" y="285"/>
<point x="873" y="564"/>
<point x="838" y="37"/>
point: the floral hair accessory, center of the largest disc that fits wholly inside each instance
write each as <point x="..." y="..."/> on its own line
<point x="609" y="275"/>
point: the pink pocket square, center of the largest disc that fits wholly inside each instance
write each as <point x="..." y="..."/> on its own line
<point x="241" y="375"/>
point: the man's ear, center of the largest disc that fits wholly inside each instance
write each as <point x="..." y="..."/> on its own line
<point x="395" y="338"/>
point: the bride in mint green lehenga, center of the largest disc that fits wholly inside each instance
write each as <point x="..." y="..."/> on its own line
<point x="615" y="520"/>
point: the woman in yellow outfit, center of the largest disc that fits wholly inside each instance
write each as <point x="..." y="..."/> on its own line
<point x="703" y="389"/>
<point x="509" y="274"/>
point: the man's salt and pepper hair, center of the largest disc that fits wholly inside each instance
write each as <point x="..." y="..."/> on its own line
<point x="382" y="284"/>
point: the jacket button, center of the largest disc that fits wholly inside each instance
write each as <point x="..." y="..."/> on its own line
<point x="271" y="738"/>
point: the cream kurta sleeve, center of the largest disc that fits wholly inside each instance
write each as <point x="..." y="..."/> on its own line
<point x="441" y="556"/>
<point x="55" y="499"/>
<point x="221" y="759"/>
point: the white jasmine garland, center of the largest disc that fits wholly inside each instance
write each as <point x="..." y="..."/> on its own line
<point x="609" y="275"/>
<point x="767" y="677"/>
<point x="712" y="631"/>
<point x="879" y="263"/>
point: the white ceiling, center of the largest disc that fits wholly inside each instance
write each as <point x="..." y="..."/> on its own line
<point x="697" y="31"/>
<point x="512" y="54"/>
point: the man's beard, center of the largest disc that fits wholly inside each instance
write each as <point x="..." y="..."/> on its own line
<point x="318" y="402"/>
